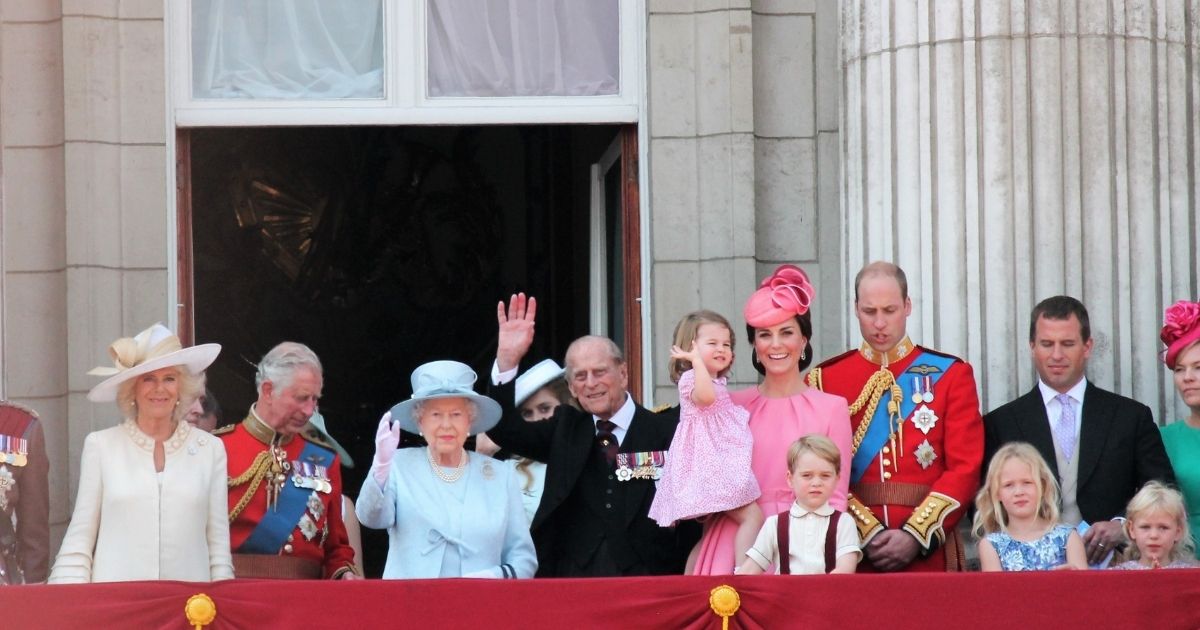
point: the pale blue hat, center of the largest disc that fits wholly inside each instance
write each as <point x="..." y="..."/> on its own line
<point x="446" y="379"/>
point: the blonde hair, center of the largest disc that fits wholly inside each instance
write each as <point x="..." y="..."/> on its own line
<point x="818" y="445"/>
<point x="990" y="515"/>
<point x="685" y="333"/>
<point x="1158" y="497"/>
<point x="191" y="387"/>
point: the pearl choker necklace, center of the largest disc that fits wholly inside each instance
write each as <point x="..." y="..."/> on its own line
<point x="443" y="475"/>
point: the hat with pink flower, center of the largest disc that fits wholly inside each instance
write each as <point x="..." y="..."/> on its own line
<point x="786" y="293"/>
<point x="1181" y="328"/>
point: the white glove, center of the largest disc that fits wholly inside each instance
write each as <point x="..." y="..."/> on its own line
<point x="387" y="440"/>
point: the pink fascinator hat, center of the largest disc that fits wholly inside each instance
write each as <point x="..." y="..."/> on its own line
<point x="786" y="293"/>
<point x="1181" y="328"/>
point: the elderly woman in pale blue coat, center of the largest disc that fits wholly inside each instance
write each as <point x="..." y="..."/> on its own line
<point x="448" y="512"/>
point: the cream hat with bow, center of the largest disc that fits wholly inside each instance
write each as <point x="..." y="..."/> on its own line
<point x="446" y="379"/>
<point x="152" y="349"/>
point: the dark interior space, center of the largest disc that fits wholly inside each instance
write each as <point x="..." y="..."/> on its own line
<point x="383" y="248"/>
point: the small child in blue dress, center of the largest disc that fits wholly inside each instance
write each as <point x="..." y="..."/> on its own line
<point x="1017" y="516"/>
<point x="1157" y="526"/>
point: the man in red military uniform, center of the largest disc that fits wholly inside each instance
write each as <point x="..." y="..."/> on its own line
<point x="285" y="482"/>
<point x="24" y="497"/>
<point x="917" y="441"/>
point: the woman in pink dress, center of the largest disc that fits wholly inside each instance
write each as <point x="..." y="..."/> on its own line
<point x="782" y="408"/>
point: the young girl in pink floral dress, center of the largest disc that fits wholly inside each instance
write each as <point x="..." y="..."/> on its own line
<point x="708" y="465"/>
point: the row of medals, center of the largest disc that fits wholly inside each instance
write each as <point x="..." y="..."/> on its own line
<point x="14" y="450"/>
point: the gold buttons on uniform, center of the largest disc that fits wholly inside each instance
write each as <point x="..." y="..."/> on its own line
<point x="887" y="462"/>
<point x="887" y="475"/>
<point x="287" y="548"/>
<point x="887" y="449"/>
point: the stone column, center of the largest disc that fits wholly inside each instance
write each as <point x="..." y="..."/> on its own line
<point x="1010" y="150"/>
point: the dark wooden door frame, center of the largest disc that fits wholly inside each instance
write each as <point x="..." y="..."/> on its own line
<point x="631" y="250"/>
<point x="185" y="283"/>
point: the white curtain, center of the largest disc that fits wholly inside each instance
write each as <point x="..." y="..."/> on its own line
<point x="523" y="47"/>
<point x="287" y="49"/>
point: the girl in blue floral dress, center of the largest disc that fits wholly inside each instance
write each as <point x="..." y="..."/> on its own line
<point x="1017" y="516"/>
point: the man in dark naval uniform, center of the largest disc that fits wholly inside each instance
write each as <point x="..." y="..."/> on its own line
<point x="599" y="476"/>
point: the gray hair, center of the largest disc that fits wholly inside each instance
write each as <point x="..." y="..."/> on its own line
<point x="419" y="407"/>
<point x="280" y="364"/>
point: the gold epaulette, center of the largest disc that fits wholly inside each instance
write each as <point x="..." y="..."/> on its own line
<point x="864" y="519"/>
<point x="926" y="522"/>
<point x="814" y="379"/>
<point x="661" y="408"/>
<point x="223" y="430"/>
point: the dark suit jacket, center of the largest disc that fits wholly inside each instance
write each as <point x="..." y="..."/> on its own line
<point x="564" y="443"/>
<point x="1120" y="448"/>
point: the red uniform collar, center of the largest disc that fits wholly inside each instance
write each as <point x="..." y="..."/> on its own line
<point x="897" y="354"/>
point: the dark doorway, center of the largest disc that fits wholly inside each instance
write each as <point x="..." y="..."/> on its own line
<point x="382" y="248"/>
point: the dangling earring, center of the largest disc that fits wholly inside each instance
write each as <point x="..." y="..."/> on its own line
<point x="176" y="403"/>
<point x="804" y="353"/>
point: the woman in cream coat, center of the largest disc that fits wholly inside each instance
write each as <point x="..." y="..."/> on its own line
<point x="448" y="512"/>
<point x="152" y="495"/>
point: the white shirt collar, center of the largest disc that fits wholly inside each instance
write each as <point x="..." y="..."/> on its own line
<point x="799" y="511"/>
<point x="624" y="416"/>
<point x="1076" y="392"/>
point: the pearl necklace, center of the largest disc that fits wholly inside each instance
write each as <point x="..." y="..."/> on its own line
<point x="443" y="475"/>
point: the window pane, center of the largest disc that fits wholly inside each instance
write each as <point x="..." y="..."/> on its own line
<point x="287" y="49"/>
<point x="523" y="47"/>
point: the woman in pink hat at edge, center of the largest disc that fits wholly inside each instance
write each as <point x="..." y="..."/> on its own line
<point x="782" y="407"/>
<point x="1181" y="335"/>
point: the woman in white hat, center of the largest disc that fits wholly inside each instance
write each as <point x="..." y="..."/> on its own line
<point x="539" y="391"/>
<point x="152" y="496"/>
<point x="448" y="512"/>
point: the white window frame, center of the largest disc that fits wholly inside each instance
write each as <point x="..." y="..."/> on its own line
<point x="405" y="100"/>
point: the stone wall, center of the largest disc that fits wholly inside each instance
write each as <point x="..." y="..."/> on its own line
<point x="85" y="241"/>
<point x="742" y="113"/>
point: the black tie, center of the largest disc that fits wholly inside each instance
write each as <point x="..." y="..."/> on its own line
<point x="606" y="439"/>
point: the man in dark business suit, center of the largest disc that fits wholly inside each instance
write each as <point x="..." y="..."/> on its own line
<point x="1103" y="447"/>
<point x="592" y="518"/>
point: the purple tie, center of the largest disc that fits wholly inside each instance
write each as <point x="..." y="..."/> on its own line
<point x="1064" y="429"/>
<point x="606" y="439"/>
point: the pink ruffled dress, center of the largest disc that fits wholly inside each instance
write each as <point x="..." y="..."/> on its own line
<point x="775" y="423"/>
<point x="708" y="465"/>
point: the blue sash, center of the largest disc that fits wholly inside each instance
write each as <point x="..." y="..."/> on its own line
<point x="878" y="432"/>
<point x="272" y="531"/>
